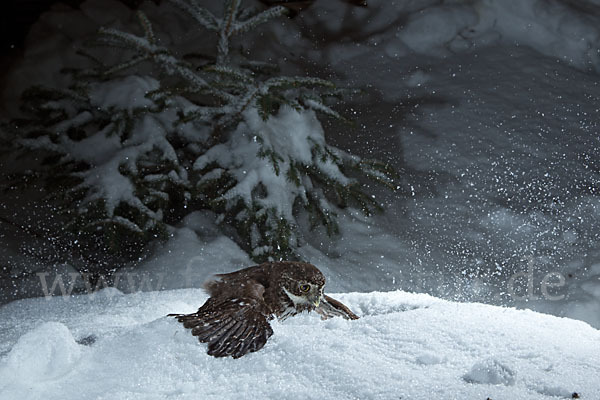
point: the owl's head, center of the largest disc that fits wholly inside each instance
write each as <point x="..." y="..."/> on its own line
<point x="303" y="284"/>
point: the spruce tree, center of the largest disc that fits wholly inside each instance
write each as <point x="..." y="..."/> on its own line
<point x="139" y="144"/>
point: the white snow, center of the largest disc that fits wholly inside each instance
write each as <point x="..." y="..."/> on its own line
<point x="45" y="353"/>
<point x="410" y="346"/>
<point x="433" y="28"/>
<point x="491" y="109"/>
<point x="562" y="29"/>
<point x="492" y="372"/>
<point x="108" y="95"/>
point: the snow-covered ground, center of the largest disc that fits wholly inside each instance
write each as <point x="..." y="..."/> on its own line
<point x="405" y="346"/>
<point x="490" y="109"/>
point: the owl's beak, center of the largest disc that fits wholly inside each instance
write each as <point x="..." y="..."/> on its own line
<point x="317" y="301"/>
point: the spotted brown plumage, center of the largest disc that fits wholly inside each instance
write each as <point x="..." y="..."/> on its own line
<point x="235" y="319"/>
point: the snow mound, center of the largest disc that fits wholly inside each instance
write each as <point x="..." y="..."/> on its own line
<point x="555" y="28"/>
<point x="435" y="27"/>
<point x="45" y="353"/>
<point x="552" y="27"/>
<point x="557" y="391"/>
<point x="490" y="371"/>
<point x="417" y="347"/>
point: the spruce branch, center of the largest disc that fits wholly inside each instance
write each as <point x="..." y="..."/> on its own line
<point x="147" y="26"/>
<point x="247" y="12"/>
<point x="321" y="213"/>
<point x="260" y="18"/>
<point x="95" y="60"/>
<point x="379" y="172"/>
<point x="44" y="97"/>
<point x="318" y="105"/>
<point x="160" y="56"/>
<point x="294" y="82"/>
<point x="132" y="62"/>
<point x="225" y="30"/>
<point x="237" y="74"/>
<point x="117" y="38"/>
<point x="198" y="13"/>
<point x="259" y="67"/>
<point x="277" y="83"/>
<point x="201" y="114"/>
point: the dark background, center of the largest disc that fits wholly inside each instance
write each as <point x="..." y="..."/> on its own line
<point x="17" y="16"/>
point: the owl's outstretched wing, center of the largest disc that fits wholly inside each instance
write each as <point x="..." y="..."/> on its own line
<point x="231" y="326"/>
<point x="330" y="307"/>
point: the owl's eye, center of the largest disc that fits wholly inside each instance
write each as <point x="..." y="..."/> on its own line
<point x="304" y="287"/>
